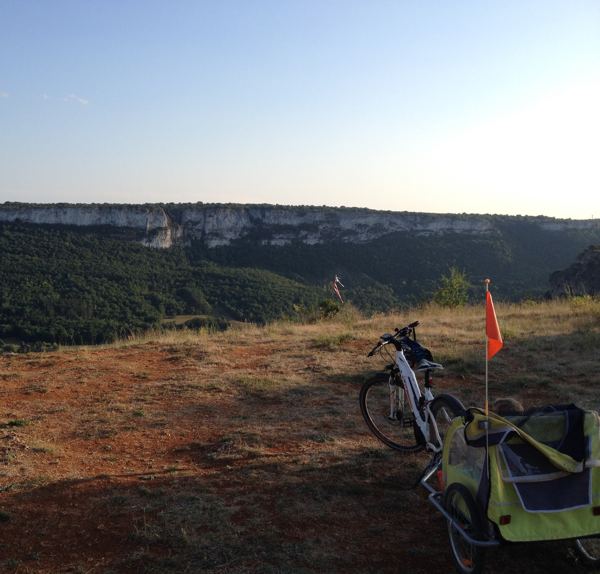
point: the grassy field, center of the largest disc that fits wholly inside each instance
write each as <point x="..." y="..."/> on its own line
<point x="245" y="452"/>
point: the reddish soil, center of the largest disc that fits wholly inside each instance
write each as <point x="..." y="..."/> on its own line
<point x="208" y="458"/>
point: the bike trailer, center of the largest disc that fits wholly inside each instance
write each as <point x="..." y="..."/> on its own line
<point x="534" y="476"/>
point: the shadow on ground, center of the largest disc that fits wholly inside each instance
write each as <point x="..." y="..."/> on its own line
<point x="291" y="514"/>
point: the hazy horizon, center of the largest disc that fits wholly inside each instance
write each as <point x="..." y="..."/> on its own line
<point x="438" y="107"/>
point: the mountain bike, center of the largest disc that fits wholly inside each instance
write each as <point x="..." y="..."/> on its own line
<point x="397" y="411"/>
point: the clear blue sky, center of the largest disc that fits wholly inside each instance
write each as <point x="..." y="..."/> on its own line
<point x="462" y="106"/>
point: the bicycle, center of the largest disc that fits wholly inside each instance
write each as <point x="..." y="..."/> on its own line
<point x="396" y="410"/>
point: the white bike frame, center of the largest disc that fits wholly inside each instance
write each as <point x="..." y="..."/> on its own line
<point x="425" y="420"/>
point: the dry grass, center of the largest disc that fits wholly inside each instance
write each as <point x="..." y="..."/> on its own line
<point x="245" y="452"/>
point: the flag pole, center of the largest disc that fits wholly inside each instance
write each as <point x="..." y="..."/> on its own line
<point x="487" y="288"/>
<point x="487" y="412"/>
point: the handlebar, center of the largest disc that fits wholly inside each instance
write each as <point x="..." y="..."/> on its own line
<point x="406" y="330"/>
<point x="386" y="338"/>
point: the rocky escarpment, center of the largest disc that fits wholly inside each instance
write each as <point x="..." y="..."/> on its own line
<point x="581" y="278"/>
<point x="219" y="225"/>
<point x="153" y="222"/>
<point x="163" y="226"/>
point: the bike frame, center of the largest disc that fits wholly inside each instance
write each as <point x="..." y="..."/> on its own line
<point x="419" y="402"/>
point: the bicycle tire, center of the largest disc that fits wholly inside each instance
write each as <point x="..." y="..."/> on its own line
<point x="444" y="409"/>
<point x="460" y="504"/>
<point x="400" y="432"/>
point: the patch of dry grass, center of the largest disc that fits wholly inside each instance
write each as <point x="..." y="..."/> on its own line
<point x="250" y="444"/>
<point x="549" y="346"/>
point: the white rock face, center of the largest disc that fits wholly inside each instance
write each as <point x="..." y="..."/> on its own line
<point x="217" y="225"/>
<point x="566" y="224"/>
<point x="153" y="221"/>
<point x="147" y="218"/>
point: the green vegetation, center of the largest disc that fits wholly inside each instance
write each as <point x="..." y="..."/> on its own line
<point x="582" y="278"/>
<point x="72" y="286"/>
<point x="403" y="268"/>
<point x="453" y="290"/>
<point x="15" y="423"/>
<point x="79" y="285"/>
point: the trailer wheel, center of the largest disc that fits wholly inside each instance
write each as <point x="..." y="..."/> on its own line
<point x="460" y="504"/>
<point x="588" y="551"/>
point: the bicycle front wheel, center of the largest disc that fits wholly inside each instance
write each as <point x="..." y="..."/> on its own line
<point x="444" y="409"/>
<point x="388" y="415"/>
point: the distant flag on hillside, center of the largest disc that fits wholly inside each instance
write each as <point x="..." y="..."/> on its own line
<point x="336" y="289"/>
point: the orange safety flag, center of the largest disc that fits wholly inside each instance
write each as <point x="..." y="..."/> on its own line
<point x="492" y="330"/>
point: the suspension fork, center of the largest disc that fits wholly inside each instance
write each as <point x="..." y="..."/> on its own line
<point x="395" y="390"/>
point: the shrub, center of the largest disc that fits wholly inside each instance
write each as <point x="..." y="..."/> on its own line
<point x="453" y="290"/>
<point x="328" y="308"/>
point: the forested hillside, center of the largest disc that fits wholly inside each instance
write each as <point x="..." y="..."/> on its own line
<point x="519" y="255"/>
<point x="86" y="283"/>
<point x="69" y="285"/>
<point x="580" y="278"/>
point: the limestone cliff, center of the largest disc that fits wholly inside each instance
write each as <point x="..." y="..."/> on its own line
<point x="162" y="226"/>
<point x="152" y="221"/>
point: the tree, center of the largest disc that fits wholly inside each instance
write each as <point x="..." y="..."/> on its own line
<point x="453" y="290"/>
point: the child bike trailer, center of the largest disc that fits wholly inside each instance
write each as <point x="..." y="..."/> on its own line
<point x="522" y="478"/>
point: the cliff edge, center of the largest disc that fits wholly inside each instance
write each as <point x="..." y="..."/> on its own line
<point x="581" y="278"/>
<point x="162" y="226"/>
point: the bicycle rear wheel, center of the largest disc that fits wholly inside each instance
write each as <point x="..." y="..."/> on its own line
<point x="388" y="415"/>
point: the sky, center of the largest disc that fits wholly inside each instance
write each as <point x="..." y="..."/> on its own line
<point x="463" y="106"/>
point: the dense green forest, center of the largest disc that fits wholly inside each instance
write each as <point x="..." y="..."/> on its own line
<point x="65" y="284"/>
<point x="72" y="285"/>
<point x="519" y="256"/>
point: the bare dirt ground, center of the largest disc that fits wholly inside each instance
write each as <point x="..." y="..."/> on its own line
<point x="245" y="452"/>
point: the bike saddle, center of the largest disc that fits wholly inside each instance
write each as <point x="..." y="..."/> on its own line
<point x="425" y="365"/>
